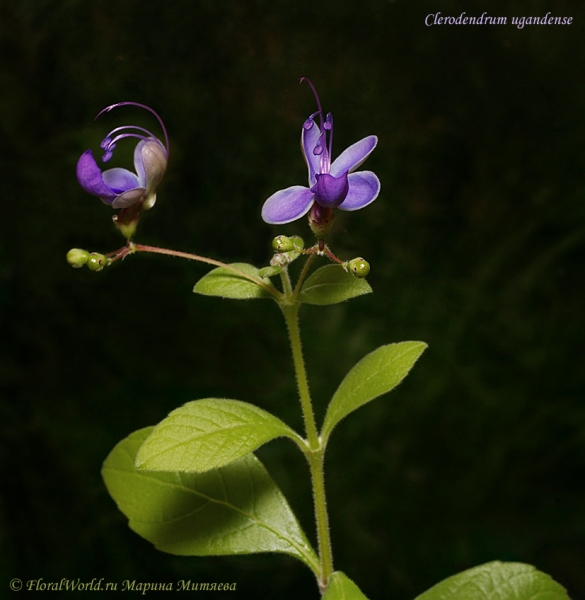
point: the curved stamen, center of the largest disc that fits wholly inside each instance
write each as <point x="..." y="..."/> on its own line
<point x="329" y="127"/>
<point x="320" y="111"/>
<point x="112" y="106"/>
<point x="123" y="127"/>
<point x="112" y="143"/>
<point x="325" y="144"/>
<point x="109" y="145"/>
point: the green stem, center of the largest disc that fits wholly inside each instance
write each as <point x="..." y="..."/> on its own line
<point x="292" y="322"/>
<point x="303" y="274"/>
<point x="316" y="463"/>
<point x="316" y="449"/>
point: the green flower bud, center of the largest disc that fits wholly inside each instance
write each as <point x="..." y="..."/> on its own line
<point x="96" y="261"/>
<point x="358" y="267"/>
<point x="281" y="243"/>
<point x="298" y="243"/>
<point x="77" y="258"/>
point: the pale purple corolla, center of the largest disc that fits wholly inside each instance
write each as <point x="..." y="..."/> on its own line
<point x="331" y="184"/>
<point x="121" y="188"/>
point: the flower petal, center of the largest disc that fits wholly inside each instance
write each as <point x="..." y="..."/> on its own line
<point x="330" y="191"/>
<point x="90" y="178"/>
<point x="120" y="180"/>
<point x="310" y="139"/>
<point x="154" y="162"/>
<point x="351" y="158"/>
<point x="364" y="188"/>
<point x="287" y="205"/>
<point x="149" y="200"/>
<point x="129" y="198"/>
<point x="139" y="163"/>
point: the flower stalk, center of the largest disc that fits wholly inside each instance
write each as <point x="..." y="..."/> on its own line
<point x="132" y="248"/>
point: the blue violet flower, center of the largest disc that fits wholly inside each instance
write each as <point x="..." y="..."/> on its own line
<point x="331" y="184"/>
<point x="120" y="188"/>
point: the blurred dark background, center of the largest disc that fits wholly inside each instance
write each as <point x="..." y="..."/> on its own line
<point x="477" y="246"/>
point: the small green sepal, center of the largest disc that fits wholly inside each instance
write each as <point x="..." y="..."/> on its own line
<point x="320" y="220"/>
<point x="298" y="243"/>
<point x="127" y="229"/>
<point x="77" y="257"/>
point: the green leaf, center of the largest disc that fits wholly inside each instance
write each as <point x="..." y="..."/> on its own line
<point x="341" y="587"/>
<point x="374" y="375"/>
<point x="332" y="284"/>
<point x="270" y="271"/>
<point x="207" y="434"/>
<point x="236" y="509"/>
<point x="226" y="283"/>
<point x="504" y="581"/>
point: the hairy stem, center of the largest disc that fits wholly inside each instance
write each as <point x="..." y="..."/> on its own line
<point x="316" y="448"/>
<point x="303" y="274"/>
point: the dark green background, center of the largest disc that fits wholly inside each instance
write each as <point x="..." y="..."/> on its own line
<point x="477" y="246"/>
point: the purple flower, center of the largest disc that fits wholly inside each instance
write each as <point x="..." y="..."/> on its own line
<point x="331" y="184"/>
<point x="120" y="188"/>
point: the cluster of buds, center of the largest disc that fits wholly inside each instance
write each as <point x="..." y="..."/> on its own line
<point x="94" y="261"/>
<point x="287" y="249"/>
